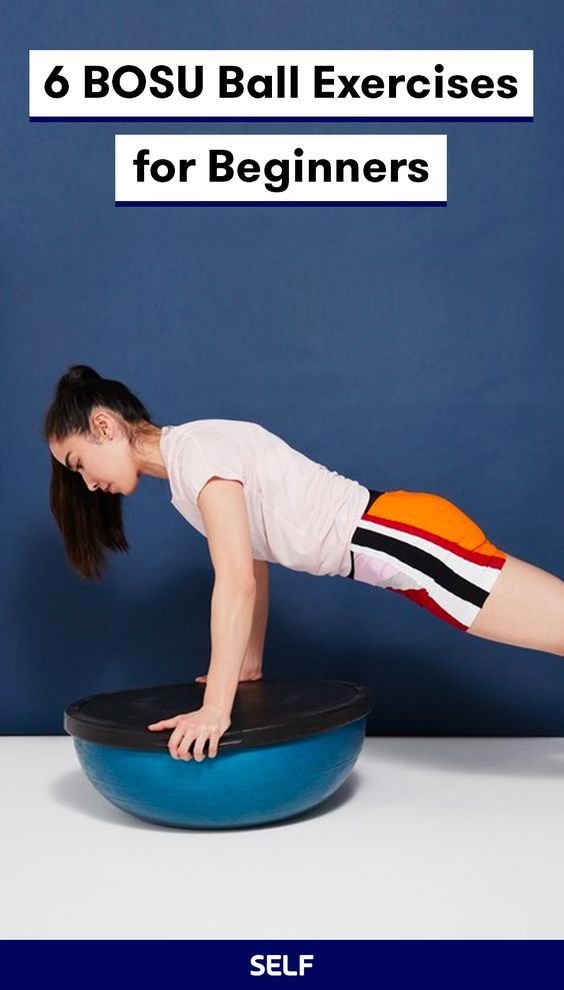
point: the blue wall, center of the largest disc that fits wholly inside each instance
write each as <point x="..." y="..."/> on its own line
<point x="406" y="347"/>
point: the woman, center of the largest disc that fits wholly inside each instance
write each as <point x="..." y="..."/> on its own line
<point x="257" y="499"/>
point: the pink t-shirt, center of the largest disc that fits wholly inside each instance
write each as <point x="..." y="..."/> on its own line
<point x="301" y="514"/>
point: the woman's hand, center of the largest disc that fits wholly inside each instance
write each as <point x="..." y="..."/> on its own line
<point x="194" y="727"/>
<point x="251" y="674"/>
<point x="250" y="671"/>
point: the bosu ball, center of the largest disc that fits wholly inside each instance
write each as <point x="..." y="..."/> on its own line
<point x="289" y="746"/>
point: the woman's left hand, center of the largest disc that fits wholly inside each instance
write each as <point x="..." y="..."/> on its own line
<point x="245" y="675"/>
<point x="194" y="727"/>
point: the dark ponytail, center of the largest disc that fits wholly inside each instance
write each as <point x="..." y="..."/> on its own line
<point x="90" y="522"/>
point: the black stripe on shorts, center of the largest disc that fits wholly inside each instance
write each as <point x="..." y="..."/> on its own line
<point x="424" y="562"/>
<point x="372" y="496"/>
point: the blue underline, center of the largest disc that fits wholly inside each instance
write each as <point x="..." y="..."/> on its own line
<point x="277" y="120"/>
<point x="315" y="202"/>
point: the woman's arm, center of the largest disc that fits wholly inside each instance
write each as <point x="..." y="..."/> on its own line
<point x="252" y="662"/>
<point x="231" y="617"/>
<point x="253" y="659"/>
<point x="224" y="512"/>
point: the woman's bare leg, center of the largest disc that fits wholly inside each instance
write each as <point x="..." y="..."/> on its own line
<point x="524" y="608"/>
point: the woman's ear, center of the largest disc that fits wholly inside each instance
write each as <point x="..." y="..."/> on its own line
<point x="102" y="425"/>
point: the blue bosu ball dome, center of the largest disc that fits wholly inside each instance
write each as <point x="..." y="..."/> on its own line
<point x="289" y="746"/>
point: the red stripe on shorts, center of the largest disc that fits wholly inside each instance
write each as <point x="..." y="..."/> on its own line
<point x="422" y="597"/>
<point x="477" y="558"/>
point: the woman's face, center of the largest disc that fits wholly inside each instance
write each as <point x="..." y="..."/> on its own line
<point x="104" y="460"/>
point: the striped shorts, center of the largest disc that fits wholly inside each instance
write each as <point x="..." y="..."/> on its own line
<point x="424" y="547"/>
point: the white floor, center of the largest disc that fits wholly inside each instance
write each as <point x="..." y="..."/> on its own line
<point x="430" y="838"/>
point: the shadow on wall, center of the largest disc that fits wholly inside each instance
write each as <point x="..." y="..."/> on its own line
<point x="78" y="638"/>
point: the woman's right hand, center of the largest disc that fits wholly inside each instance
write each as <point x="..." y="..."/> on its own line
<point x="206" y="725"/>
